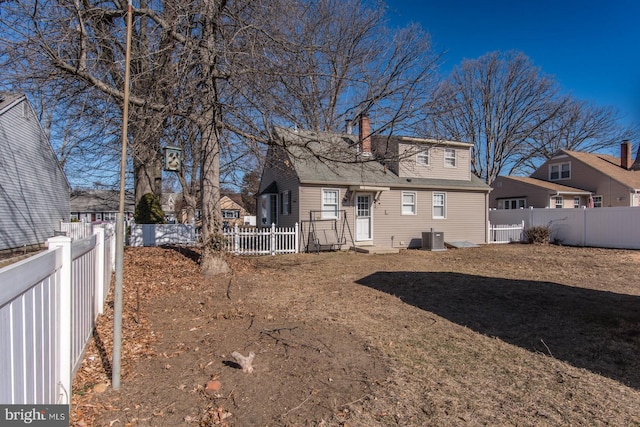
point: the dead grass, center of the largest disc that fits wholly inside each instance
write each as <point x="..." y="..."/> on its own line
<point x="497" y="335"/>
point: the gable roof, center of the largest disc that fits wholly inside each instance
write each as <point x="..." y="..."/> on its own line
<point x="100" y="201"/>
<point x="7" y="99"/>
<point x="547" y="185"/>
<point x="326" y="158"/>
<point x="608" y="165"/>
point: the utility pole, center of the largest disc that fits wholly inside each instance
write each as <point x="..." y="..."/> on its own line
<point x="120" y="230"/>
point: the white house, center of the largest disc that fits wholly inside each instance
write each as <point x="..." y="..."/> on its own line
<point x="34" y="191"/>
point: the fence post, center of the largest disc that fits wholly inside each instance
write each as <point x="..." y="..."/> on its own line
<point x="100" y="268"/>
<point x="272" y="238"/>
<point x="236" y="239"/>
<point x="584" y="226"/>
<point x="64" y="310"/>
<point x="297" y="243"/>
<point x="531" y="217"/>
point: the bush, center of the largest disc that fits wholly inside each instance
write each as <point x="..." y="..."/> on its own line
<point x="537" y="235"/>
<point x="149" y="210"/>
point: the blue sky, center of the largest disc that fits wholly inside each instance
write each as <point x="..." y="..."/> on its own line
<point x="592" y="48"/>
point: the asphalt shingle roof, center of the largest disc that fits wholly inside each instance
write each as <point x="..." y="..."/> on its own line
<point x="546" y="184"/>
<point x="608" y="165"/>
<point x="333" y="158"/>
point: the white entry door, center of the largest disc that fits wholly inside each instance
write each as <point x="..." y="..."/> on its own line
<point x="364" y="217"/>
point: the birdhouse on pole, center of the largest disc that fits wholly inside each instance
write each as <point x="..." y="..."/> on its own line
<point x="172" y="159"/>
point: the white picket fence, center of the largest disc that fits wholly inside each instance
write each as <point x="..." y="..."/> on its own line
<point x="48" y="307"/>
<point x="615" y="227"/>
<point x="76" y="230"/>
<point x="262" y="241"/>
<point x="238" y="240"/>
<point x="507" y="233"/>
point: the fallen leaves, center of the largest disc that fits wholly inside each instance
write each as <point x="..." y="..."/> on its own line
<point x="144" y="278"/>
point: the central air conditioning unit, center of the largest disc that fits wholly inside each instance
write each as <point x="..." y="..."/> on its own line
<point x="433" y="240"/>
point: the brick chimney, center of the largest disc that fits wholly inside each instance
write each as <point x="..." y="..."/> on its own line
<point x="365" y="134"/>
<point x="625" y="155"/>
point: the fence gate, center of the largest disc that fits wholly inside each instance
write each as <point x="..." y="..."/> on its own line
<point x="506" y="233"/>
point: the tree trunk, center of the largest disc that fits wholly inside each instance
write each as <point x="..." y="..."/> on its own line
<point x="213" y="260"/>
<point x="147" y="176"/>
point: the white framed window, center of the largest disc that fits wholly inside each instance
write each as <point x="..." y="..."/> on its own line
<point x="512" y="204"/>
<point x="597" y="201"/>
<point x="230" y="213"/>
<point x="408" y="203"/>
<point x="285" y="202"/>
<point x="439" y="205"/>
<point x="450" y="157"/>
<point x="330" y="198"/>
<point x="422" y="158"/>
<point x="558" y="202"/>
<point x="576" y="201"/>
<point x="560" y="171"/>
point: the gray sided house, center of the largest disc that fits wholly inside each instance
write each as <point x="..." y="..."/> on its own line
<point x="335" y="182"/>
<point x="100" y="205"/>
<point x="573" y="179"/>
<point x="34" y="191"/>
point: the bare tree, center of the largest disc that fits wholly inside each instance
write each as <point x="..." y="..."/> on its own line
<point x="337" y="59"/>
<point x="578" y="126"/>
<point x="214" y="76"/>
<point x="498" y="102"/>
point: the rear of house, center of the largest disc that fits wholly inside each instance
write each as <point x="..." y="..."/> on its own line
<point x="375" y="191"/>
<point x="35" y="191"/>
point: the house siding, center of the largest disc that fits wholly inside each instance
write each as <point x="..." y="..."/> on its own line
<point x="34" y="192"/>
<point x="435" y="169"/>
<point x="281" y="172"/>
<point x="466" y="215"/>
<point x="402" y="157"/>
<point x="466" y="218"/>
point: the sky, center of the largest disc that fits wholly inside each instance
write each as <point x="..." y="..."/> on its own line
<point x="591" y="48"/>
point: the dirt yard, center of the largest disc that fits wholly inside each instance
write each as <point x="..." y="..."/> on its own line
<point x="497" y="335"/>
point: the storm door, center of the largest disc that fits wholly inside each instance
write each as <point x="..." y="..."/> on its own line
<point x="364" y="217"/>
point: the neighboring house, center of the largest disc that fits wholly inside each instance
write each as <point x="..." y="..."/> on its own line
<point x="315" y="178"/>
<point x="233" y="213"/>
<point x="573" y="179"/>
<point x="100" y="205"/>
<point x="34" y="191"/>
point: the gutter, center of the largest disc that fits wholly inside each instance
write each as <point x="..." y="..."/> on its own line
<point x="400" y="185"/>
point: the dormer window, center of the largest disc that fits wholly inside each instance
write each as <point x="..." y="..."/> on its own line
<point x="422" y="158"/>
<point x="559" y="171"/>
<point x="449" y="157"/>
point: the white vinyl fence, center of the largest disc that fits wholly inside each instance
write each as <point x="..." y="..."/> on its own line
<point x="162" y="234"/>
<point x="238" y="240"/>
<point x="616" y="227"/>
<point x="262" y="241"/>
<point x="76" y="230"/>
<point x="508" y="233"/>
<point x="48" y="307"/>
